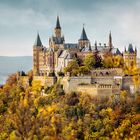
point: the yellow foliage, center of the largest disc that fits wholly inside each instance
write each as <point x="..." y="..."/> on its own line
<point x="36" y="86"/>
<point x="51" y="108"/>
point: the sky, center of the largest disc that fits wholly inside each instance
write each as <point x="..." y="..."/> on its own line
<point x="20" y="20"/>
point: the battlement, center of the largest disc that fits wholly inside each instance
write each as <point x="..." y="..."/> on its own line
<point x="107" y="72"/>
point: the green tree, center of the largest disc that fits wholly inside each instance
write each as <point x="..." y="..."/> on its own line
<point x="72" y="67"/>
<point x="89" y="61"/>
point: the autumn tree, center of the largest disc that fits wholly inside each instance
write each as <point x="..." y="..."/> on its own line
<point x="89" y="61"/>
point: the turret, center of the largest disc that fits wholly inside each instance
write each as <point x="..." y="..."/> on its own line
<point x="36" y="49"/>
<point x="83" y="41"/>
<point x="110" y="44"/>
<point x="57" y="40"/>
<point x="57" y="28"/>
<point x="50" y="61"/>
<point x="130" y="56"/>
<point x="96" y="49"/>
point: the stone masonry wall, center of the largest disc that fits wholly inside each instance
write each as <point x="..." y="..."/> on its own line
<point x="45" y="81"/>
<point x="71" y="83"/>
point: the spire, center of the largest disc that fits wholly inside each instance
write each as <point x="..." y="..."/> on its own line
<point x="118" y="52"/>
<point x="135" y="49"/>
<point x="83" y="34"/>
<point x="130" y="48"/>
<point x="38" y="41"/>
<point x="110" y="41"/>
<point x="96" y="49"/>
<point x="58" y="23"/>
<point x="125" y="49"/>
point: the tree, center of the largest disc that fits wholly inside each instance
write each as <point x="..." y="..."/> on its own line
<point x="84" y="70"/>
<point x="89" y="61"/>
<point x="108" y="62"/>
<point x="118" y="61"/>
<point x="72" y="67"/>
<point x="98" y="60"/>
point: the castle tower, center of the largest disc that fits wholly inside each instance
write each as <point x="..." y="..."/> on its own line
<point x="50" y="64"/>
<point x="130" y="56"/>
<point x="110" y="44"/>
<point x="36" y="49"/>
<point x="57" y="29"/>
<point x="83" y="41"/>
<point x="57" y="40"/>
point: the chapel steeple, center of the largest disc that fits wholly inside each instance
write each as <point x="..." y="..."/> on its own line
<point x="58" y="23"/>
<point x="83" y="35"/>
<point x="57" y="29"/>
<point x="83" y="41"/>
<point x="110" y="44"/>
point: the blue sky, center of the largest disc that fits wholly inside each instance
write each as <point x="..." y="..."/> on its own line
<point x="21" y="19"/>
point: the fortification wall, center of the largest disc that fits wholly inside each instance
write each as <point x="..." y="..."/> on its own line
<point x="87" y="84"/>
<point x="103" y="80"/>
<point x="94" y="90"/>
<point x="71" y="83"/>
<point x="107" y="72"/>
<point x="45" y="81"/>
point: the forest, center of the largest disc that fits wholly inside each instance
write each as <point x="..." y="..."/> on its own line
<point x="26" y="114"/>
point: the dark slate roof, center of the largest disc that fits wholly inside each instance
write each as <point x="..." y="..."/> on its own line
<point x="130" y="49"/>
<point x="70" y="46"/>
<point x="116" y="51"/>
<point x="83" y="35"/>
<point x="58" y="23"/>
<point x="67" y="55"/>
<point x="100" y="48"/>
<point x="86" y="49"/>
<point x="38" y="41"/>
<point x="57" y="40"/>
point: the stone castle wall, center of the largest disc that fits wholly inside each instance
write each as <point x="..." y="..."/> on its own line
<point x="70" y="84"/>
<point x="103" y="80"/>
<point x="107" y="72"/>
<point x="94" y="90"/>
<point x="106" y="85"/>
<point x="45" y="81"/>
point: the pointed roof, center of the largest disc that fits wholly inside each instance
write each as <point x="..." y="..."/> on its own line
<point x="110" y="36"/>
<point x="96" y="49"/>
<point x="125" y="49"/>
<point x="118" y="52"/>
<point x="110" y="41"/>
<point x="130" y="48"/>
<point x="83" y="35"/>
<point x="38" y="41"/>
<point x="135" y="49"/>
<point x="58" y="23"/>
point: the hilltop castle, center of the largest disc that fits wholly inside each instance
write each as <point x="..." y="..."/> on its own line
<point x="52" y="59"/>
<point x="48" y="61"/>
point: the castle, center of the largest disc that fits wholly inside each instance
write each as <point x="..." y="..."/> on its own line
<point x="55" y="58"/>
<point x="48" y="61"/>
